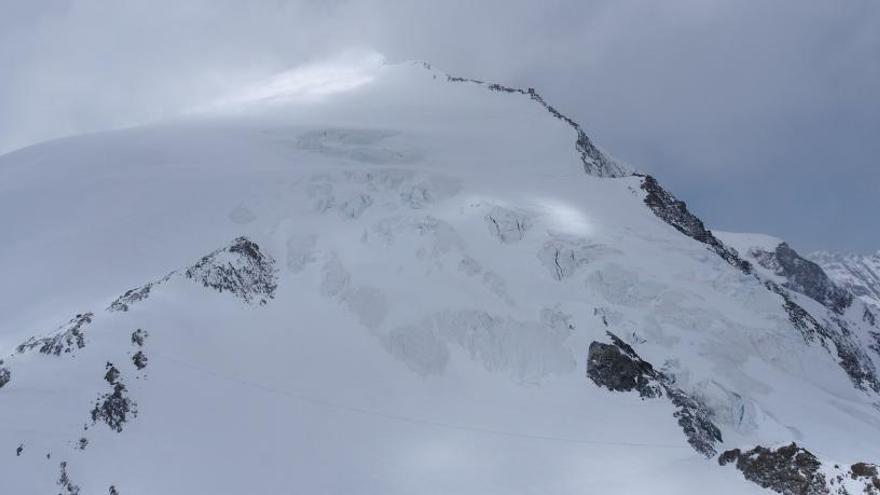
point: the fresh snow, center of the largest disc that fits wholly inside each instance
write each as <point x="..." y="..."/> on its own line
<point x="433" y="264"/>
<point x="860" y="274"/>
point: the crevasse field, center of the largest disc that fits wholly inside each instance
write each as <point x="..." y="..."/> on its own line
<point x="411" y="271"/>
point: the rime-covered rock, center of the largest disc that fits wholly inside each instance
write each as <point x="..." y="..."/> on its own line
<point x="5" y="374"/>
<point x="139" y="337"/>
<point x="68" y="338"/>
<point x="114" y="408"/>
<point x="139" y="360"/>
<point x="804" y="276"/>
<point x="68" y="487"/>
<point x="240" y="269"/>
<point x="131" y="296"/>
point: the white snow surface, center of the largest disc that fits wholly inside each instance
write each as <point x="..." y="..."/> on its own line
<point x="858" y="273"/>
<point x="443" y="264"/>
<point x="750" y="246"/>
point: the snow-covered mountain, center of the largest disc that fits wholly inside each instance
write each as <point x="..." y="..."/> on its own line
<point x="385" y="279"/>
<point x="859" y="274"/>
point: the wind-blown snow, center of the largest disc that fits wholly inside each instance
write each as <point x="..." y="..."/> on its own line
<point x="432" y="266"/>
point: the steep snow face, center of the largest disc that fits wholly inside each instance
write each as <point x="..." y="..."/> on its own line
<point x="410" y="285"/>
<point x="778" y="260"/>
<point x="817" y="307"/>
<point x="860" y="274"/>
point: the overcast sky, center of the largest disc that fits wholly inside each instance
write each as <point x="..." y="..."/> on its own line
<point x="763" y="115"/>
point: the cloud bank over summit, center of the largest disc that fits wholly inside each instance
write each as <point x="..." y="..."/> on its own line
<point x="762" y="115"/>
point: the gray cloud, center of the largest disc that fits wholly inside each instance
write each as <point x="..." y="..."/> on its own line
<point x="763" y="115"/>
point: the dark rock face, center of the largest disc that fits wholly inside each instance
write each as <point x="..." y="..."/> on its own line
<point x="853" y="359"/>
<point x="805" y="277"/>
<point x="694" y="419"/>
<point x="240" y="269"/>
<point x="130" y="297"/>
<point x="810" y="329"/>
<point x="793" y="470"/>
<point x="139" y="336"/>
<point x="5" y="374"/>
<point x="789" y="470"/>
<point x="675" y="212"/>
<point x="859" y="274"/>
<point x="68" y="338"/>
<point x="617" y="367"/>
<point x="869" y="317"/>
<point x="863" y="470"/>
<point x="66" y="484"/>
<point x="114" y="408"/>
<point x="610" y="367"/>
<point x="867" y="476"/>
<point x="139" y="360"/>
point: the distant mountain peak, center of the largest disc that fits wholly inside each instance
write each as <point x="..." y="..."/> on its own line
<point x="858" y="273"/>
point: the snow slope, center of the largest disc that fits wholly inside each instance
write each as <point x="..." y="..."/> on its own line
<point x="860" y="274"/>
<point x="392" y="286"/>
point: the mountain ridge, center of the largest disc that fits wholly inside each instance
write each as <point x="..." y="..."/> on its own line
<point x="414" y="273"/>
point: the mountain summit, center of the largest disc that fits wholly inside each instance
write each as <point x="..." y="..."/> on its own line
<point x="408" y="283"/>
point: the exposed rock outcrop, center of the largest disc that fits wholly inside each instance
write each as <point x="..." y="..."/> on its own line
<point x="5" y="374"/>
<point x="114" y="408"/>
<point x="131" y="296"/>
<point x="794" y="470"/>
<point x="68" y="338"/>
<point x="617" y="367"/>
<point x="139" y="360"/>
<point x="241" y="269"/>
<point x="68" y="487"/>
<point x="790" y="470"/>
<point x="675" y="212"/>
<point x="804" y="276"/>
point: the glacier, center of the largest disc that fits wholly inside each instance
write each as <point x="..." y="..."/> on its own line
<point x="396" y="287"/>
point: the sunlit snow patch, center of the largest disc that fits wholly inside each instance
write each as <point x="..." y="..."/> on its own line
<point x="312" y="81"/>
<point x="565" y="218"/>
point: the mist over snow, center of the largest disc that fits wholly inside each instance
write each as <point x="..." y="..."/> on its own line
<point x="762" y="115"/>
<point x="390" y="247"/>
